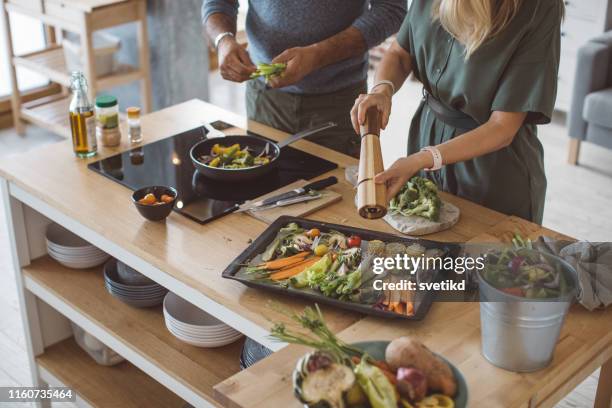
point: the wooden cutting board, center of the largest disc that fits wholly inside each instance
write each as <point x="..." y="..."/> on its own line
<point x="295" y="210"/>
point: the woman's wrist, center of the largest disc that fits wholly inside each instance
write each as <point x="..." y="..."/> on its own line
<point x="423" y="159"/>
<point x="382" y="88"/>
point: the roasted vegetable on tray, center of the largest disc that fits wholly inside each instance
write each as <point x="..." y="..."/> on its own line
<point x="418" y="197"/>
<point x="234" y="157"/>
<point x="332" y="264"/>
<point x="404" y="374"/>
<point x="340" y="265"/>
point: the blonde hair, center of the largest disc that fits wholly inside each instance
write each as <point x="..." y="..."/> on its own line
<point x="473" y="22"/>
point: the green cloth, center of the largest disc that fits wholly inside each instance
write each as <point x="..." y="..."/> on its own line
<point x="292" y="113"/>
<point x="516" y="71"/>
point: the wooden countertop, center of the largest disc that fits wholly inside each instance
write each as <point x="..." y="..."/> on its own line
<point x="188" y="258"/>
<point x="189" y="253"/>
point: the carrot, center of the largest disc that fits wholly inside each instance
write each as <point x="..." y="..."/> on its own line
<point x="294" y="269"/>
<point x="382" y="365"/>
<point x="283" y="262"/>
<point x="409" y="309"/>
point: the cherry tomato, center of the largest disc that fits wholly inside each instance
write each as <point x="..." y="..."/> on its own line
<point x="148" y="199"/>
<point x="167" y="198"/>
<point x="313" y="233"/>
<point x="354" y="241"/>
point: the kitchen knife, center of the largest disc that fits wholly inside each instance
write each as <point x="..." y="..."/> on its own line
<point x="316" y="185"/>
<point x="290" y="201"/>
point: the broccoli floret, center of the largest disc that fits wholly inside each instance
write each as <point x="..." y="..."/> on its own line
<point x="418" y="197"/>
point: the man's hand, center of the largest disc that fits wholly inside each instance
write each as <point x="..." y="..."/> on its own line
<point x="300" y="61"/>
<point x="234" y="61"/>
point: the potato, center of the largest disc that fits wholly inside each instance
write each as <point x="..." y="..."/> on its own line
<point x="409" y="352"/>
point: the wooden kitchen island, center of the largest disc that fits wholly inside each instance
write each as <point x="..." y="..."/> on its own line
<point x="51" y="185"/>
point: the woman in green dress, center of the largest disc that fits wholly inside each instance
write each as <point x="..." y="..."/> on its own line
<point x="489" y="74"/>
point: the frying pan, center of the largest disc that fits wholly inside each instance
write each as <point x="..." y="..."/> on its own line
<point x="256" y="146"/>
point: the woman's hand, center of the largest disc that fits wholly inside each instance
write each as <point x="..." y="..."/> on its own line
<point x="396" y="176"/>
<point x="381" y="98"/>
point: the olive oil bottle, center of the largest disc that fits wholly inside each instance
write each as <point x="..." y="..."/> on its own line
<point x="82" y="119"/>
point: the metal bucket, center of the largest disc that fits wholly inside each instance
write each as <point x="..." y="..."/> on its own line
<point x="520" y="334"/>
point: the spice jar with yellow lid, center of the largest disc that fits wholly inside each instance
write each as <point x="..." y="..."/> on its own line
<point x="107" y="120"/>
<point x="133" y="123"/>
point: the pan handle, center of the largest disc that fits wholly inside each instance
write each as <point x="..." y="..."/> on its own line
<point x="305" y="133"/>
<point x="212" y="131"/>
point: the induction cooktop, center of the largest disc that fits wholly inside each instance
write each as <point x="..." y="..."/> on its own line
<point x="166" y="162"/>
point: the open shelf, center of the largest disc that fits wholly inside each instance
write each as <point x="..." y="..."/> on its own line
<point x="49" y="113"/>
<point x="122" y="385"/>
<point x="50" y="62"/>
<point x="140" y="335"/>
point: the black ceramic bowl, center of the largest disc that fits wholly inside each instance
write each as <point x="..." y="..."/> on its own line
<point x="154" y="212"/>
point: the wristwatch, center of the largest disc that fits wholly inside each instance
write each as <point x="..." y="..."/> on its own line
<point x="220" y="37"/>
<point x="437" y="158"/>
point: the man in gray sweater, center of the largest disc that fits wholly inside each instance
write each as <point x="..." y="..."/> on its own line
<point x="325" y="46"/>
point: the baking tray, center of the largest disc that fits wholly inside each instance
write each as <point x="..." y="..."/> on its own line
<point x="260" y="244"/>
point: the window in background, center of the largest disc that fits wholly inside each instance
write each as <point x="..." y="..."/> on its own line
<point x="28" y="36"/>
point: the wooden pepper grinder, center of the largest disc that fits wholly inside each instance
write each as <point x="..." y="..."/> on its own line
<point x="371" y="197"/>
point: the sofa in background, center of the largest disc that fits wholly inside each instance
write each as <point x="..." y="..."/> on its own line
<point x="590" y="116"/>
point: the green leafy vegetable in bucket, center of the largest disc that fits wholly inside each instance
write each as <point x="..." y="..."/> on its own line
<point x="524" y="272"/>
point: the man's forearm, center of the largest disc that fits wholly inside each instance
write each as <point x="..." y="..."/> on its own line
<point x="346" y="44"/>
<point x="219" y="23"/>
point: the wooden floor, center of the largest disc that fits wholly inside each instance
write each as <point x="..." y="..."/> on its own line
<point x="579" y="203"/>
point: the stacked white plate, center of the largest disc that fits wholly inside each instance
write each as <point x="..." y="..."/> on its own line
<point x="71" y="250"/>
<point x="143" y="293"/>
<point x="194" y="326"/>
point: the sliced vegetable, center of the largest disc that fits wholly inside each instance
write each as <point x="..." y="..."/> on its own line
<point x="379" y="390"/>
<point x="336" y="240"/>
<point x="285" y="233"/>
<point x="313" y="275"/>
<point x="294" y="269"/>
<point x="436" y="401"/>
<point x="269" y="70"/>
<point x="355" y="397"/>
<point x="383" y="366"/>
<point x="328" y="385"/>
<point x="281" y="263"/>
<point x="321" y="250"/>
<point x="317" y="361"/>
